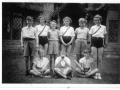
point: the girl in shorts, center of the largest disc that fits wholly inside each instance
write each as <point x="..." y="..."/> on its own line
<point x="98" y="35"/>
<point x="81" y="34"/>
<point x="67" y="35"/>
<point x="53" y="37"/>
<point x="42" y="31"/>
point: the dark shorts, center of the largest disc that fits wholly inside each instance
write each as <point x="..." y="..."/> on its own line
<point x="97" y="42"/>
<point x="29" y="47"/>
<point x="43" y="40"/>
<point x="67" y="39"/>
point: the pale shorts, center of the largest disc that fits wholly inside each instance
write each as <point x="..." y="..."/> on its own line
<point x="53" y="47"/>
<point x="80" y="46"/>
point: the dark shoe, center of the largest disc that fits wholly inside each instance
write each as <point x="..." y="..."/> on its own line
<point x="27" y="73"/>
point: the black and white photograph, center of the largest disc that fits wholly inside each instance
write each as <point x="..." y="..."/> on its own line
<point x="60" y="43"/>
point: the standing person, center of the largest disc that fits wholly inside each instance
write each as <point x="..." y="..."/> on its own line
<point x="28" y="42"/>
<point x="53" y="37"/>
<point x="63" y="66"/>
<point x="86" y="65"/>
<point x="81" y="34"/>
<point x="67" y="35"/>
<point x="40" y="65"/>
<point x="42" y="31"/>
<point x="98" y="35"/>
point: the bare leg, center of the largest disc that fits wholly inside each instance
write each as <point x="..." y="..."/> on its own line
<point x="55" y="56"/>
<point x="27" y="64"/>
<point x="67" y="71"/>
<point x="51" y="62"/>
<point x="31" y="62"/>
<point x="58" y="71"/>
<point x="40" y="46"/>
<point x="100" y="54"/>
<point x="77" y="57"/>
<point x="46" y="49"/>
<point x="63" y="48"/>
<point x="93" y="72"/>
<point x="47" y="71"/>
<point x="68" y="50"/>
<point x="94" y="55"/>
<point x="34" y="73"/>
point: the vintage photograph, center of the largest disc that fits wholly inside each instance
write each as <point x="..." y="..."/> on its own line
<point x="60" y="43"/>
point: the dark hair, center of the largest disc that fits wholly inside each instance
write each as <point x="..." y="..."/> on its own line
<point x="53" y="21"/>
<point x="29" y="18"/>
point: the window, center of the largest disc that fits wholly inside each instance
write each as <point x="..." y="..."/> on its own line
<point x="113" y="31"/>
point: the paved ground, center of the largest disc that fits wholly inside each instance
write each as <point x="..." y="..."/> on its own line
<point x="13" y="70"/>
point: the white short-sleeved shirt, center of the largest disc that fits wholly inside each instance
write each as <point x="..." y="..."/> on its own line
<point x="28" y="32"/>
<point x="70" y="31"/>
<point x="39" y="28"/>
<point x="40" y="63"/>
<point x="82" y="33"/>
<point x="86" y="62"/>
<point x="54" y="35"/>
<point x="62" y="62"/>
<point x="100" y="32"/>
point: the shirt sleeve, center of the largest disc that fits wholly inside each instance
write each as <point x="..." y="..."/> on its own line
<point x="105" y="32"/>
<point x="91" y="30"/>
<point x="81" y="60"/>
<point x="72" y="32"/>
<point x="68" y="61"/>
<point x="57" y="60"/>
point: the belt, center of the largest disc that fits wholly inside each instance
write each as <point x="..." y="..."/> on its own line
<point x="28" y="38"/>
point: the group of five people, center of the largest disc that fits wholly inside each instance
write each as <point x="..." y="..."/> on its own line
<point x="44" y="39"/>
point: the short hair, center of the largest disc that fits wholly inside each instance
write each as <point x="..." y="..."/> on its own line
<point x="39" y="17"/>
<point x="53" y="21"/>
<point x="82" y="20"/>
<point x="86" y="51"/>
<point x="29" y="18"/>
<point x="98" y="16"/>
<point x="68" y="18"/>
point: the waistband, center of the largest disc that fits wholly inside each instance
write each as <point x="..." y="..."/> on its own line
<point x="97" y="37"/>
<point x="28" y="38"/>
<point x="42" y="36"/>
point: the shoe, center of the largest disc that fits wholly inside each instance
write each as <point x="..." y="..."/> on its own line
<point x="68" y="77"/>
<point x="96" y="76"/>
<point x="99" y="76"/>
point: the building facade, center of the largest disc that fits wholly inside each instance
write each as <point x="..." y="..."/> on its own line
<point x="14" y="14"/>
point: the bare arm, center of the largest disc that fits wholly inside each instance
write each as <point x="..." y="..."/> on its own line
<point x="21" y="38"/>
<point x="62" y="40"/>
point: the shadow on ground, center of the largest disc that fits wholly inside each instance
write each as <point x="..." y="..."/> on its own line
<point x="13" y="71"/>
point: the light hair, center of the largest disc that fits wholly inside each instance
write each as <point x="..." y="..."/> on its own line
<point x="82" y="20"/>
<point x="98" y="16"/>
<point x="40" y="51"/>
<point x="68" y="18"/>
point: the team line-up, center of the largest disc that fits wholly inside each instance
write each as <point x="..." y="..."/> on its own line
<point x="43" y="39"/>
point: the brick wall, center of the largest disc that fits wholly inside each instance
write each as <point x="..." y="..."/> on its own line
<point x="112" y="51"/>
